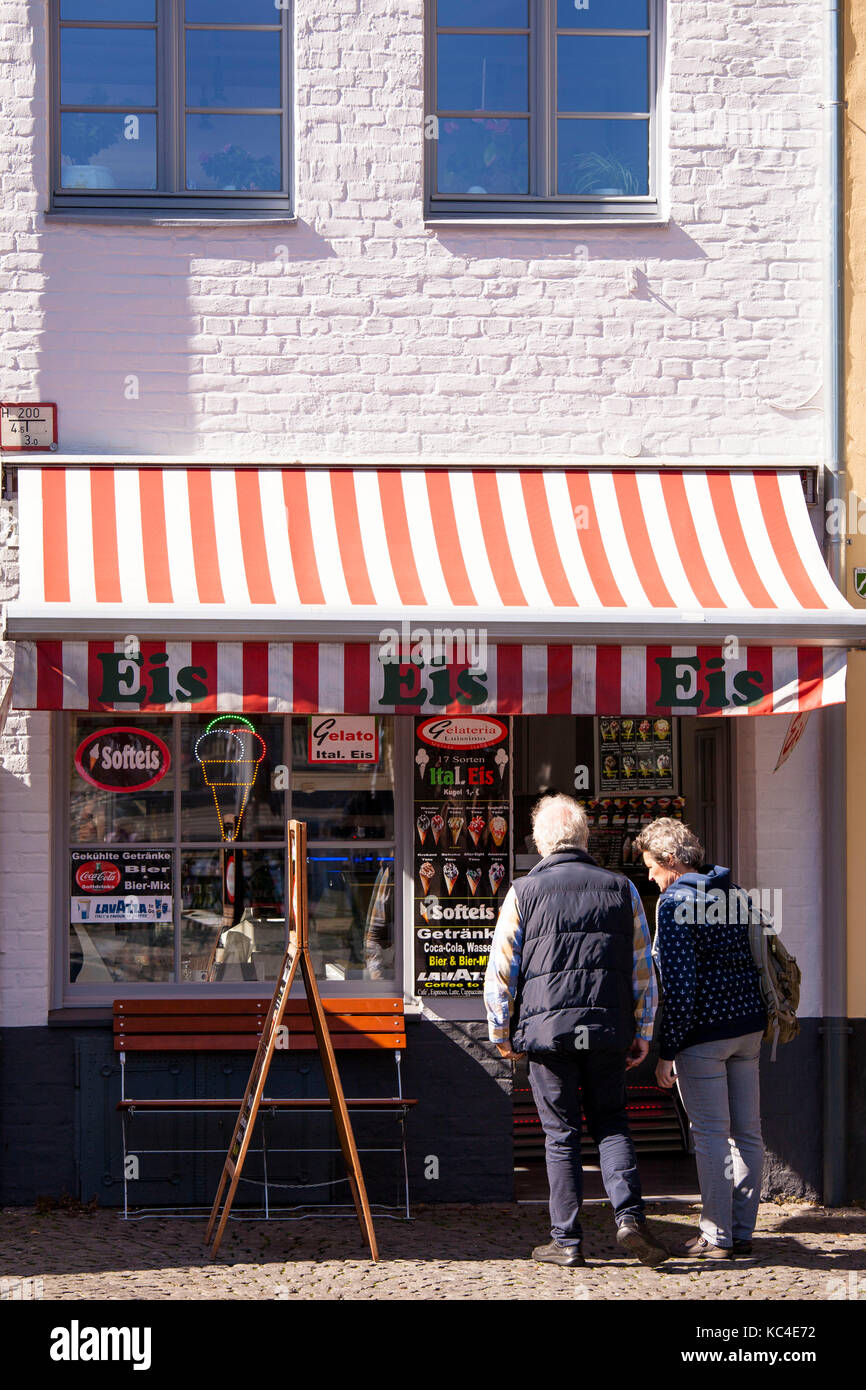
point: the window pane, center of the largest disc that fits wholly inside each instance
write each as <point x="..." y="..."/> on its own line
<point x="232" y="69"/>
<point x="112" y="151"/>
<point x="233" y="923"/>
<point x="599" y="74"/>
<point x="227" y="777"/>
<point x="482" y="155"/>
<point x="109" y="814"/>
<point x="127" y="12"/>
<point x="108" y="67"/>
<point x="233" y="152"/>
<point x="351" y="907"/>
<point x="602" y="14"/>
<point x="482" y="73"/>
<point x="232" y="12"/>
<point x="124" y="951"/>
<point x="467" y="14"/>
<point x="603" y="157"/>
<point x="344" y="802"/>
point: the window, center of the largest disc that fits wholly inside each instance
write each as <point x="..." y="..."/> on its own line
<point x="176" y="859"/>
<point x="542" y="107"/>
<point x="173" y="106"/>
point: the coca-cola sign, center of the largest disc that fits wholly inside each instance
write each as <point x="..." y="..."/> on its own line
<point x="122" y="759"/>
<point x="97" y="876"/>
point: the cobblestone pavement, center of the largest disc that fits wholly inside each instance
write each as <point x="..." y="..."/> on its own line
<point x="447" y="1252"/>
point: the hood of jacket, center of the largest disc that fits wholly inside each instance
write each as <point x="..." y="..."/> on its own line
<point x="710" y="878"/>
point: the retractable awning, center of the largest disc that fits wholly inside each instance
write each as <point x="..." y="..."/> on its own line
<point x="575" y="579"/>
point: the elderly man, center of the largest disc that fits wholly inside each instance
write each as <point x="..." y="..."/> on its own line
<point x="570" y="982"/>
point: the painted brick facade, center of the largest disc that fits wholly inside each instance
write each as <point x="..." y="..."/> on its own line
<point x="362" y="333"/>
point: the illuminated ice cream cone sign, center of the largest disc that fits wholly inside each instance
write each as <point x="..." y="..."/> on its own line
<point x="229" y="752"/>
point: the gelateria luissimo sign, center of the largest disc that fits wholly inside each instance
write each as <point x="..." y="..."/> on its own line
<point x="311" y="678"/>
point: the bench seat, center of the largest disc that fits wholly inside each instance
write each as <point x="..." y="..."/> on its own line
<point x="236" y="1025"/>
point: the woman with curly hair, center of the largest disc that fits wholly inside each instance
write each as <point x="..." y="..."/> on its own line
<point x="713" y="1020"/>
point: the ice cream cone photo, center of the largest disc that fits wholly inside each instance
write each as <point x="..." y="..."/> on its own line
<point x="450" y="873"/>
<point x="437" y="825"/>
<point x="477" y="826"/>
<point x="456" y="822"/>
<point x="427" y="873"/>
<point x="498" y="828"/>
<point x="229" y="752"/>
<point x="473" y="878"/>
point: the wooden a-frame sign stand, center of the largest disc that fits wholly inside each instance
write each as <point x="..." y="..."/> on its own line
<point x="297" y="953"/>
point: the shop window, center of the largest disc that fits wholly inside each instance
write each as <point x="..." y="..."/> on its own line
<point x="171" y="105"/>
<point x="542" y="107"/>
<point x="175" y="865"/>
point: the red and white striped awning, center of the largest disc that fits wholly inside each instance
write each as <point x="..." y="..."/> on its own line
<point x="591" y="591"/>
<point x="339" y="553"/>
<point x="352" y="678"/>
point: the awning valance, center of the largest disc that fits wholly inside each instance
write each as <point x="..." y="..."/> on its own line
<point x="338" y="554"/>
<point x="306" y="677"/>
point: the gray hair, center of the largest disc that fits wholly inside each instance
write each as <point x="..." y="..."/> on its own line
<point x="669" y="842"/>
<point x="558" y="822"/>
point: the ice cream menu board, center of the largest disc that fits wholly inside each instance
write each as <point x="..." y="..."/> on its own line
<point x="462" y="858"/>
<point x="634" y="754"/>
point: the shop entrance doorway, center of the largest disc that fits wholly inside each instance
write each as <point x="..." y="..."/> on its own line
<point x="610" y="766"/>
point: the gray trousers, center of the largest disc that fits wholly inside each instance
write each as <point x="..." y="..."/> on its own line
<point x="718" y="1082"/>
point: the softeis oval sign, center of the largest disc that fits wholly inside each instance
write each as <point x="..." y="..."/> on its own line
<point x="122" y="759"/>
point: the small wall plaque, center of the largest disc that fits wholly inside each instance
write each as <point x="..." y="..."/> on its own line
<point x="27" y="425"/>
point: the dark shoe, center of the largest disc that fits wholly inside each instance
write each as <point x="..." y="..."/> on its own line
<point x="699" y="1248"/>
<point x="637" y="1238"/>
<point x="742" y="1247"/>
<point x="555" y="1254"/>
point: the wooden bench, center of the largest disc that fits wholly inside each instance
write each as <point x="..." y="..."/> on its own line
<point x="235" y="1025"/>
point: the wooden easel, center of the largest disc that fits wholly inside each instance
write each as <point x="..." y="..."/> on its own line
<point x="297" y="952"/>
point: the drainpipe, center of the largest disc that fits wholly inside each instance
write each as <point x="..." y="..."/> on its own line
<point x="835" y="1002"/>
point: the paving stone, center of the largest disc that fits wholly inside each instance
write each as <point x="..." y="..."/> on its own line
<point x="447" y="1252"/>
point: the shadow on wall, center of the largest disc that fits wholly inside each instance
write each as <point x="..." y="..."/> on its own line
<point x="596" y="244"/>
<point x="144" y="329"/>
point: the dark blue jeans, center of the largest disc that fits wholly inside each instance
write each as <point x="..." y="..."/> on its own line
<point x="559" y="1081"/>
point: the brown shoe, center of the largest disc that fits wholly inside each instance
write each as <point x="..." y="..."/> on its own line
<point x="699" y="1248"/>
<point x="742" y="1247"/>
<point x="637" y="1238"/>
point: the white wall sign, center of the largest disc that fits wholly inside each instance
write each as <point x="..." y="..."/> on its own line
<point x="349" y="738"/>
<point x="27" y="425"/>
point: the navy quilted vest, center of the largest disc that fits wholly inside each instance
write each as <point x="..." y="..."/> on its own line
<point x="578" y="956"/>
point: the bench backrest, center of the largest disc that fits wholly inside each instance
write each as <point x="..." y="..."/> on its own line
<point x="235" y="1025"/>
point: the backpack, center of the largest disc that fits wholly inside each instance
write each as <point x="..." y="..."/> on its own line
<point x="779" y="974"/>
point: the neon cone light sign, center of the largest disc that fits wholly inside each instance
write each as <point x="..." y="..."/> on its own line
<point x="229" y="758"/>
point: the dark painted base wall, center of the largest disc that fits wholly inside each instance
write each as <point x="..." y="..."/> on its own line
<point x="61" y="1133"/>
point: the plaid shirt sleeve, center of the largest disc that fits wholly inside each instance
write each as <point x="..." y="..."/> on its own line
<point x="643" y="977"/>
<point x="503" y="969"/>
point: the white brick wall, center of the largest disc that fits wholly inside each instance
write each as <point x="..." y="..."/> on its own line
<point x="777" y="819"/>
<point x="25" y="867"/>
<point x="368" y="335"/>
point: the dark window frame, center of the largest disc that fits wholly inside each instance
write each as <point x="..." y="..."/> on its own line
<point x="542" y="203"/>
<point x="174" y="201"/>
